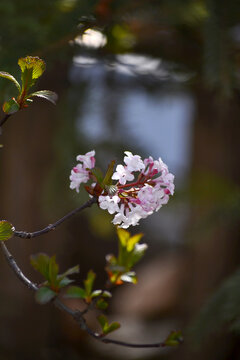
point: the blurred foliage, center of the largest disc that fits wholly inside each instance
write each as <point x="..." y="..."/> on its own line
<point x="179" y="31"/>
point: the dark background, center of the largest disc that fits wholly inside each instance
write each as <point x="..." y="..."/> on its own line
<point x="163" y="80"/>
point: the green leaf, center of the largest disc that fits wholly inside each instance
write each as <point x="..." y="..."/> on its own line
<point x="40" y="262"/>
<point x="6" y="230"/>
<point x="75" y="292"/>
<point x="8" y="76"/>
<point x="108" y="177"/>
<point x="98" y="175"/>
<point x="11" y="106"/>
<point x="102" y="304"/>
<point x="133" y="241"/>
<point x="45" y="94"/>
<point x="137" y="254"/>
<point x="174" y="339"/>
<point x="123" y="236"/>
<point x="53" y="269"/>
<point x="71" y="271"/>
<point x="44" y="295"/>
<point x="64" y="282"/>
<point x="33" y="63"/>
<point x="106" y="327"/>
<point x="88" y="283"/>
<point x="32" y="68"/>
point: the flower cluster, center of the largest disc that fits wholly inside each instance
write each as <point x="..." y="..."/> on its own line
<point x="81" y="172"/>
<point x="142" y="187"/>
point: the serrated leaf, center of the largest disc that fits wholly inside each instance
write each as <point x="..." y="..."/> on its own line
<point x="75" y="292"/>
<point x="174" y="339"/>
<point x="10" y="77"/>
<point x="6" y="230"/>
<point x="108" y="177"/>
<point x="44" y="295"/>
<point x="45" y="94"/>
<point x="88" y="283"/>
<point x="33" y="63"/>
<point x="31" y="68"/>
<point x="11" y="106"/>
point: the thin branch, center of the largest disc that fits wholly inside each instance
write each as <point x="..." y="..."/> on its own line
<point x="16" y="268"/>
<point x="4" y="119"/>
<point x="50" y="227"/>
<point x="75" y="314"/>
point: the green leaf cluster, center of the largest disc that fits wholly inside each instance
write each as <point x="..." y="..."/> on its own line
<point x="49" y="269"/>
<point x="32" y="67"/>
<point x="119" y="268"/>
<point x="106" y="327"/>
<point x="87" y="293"/>
<point x="174" y="339"/>
<point x="6" y="230"/>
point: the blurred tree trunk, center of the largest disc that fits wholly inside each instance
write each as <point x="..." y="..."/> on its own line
<point x="215" y="251"/>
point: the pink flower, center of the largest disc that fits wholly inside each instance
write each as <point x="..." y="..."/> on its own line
<point x="132" y="198"/>
<point x="80" y="174"/>
<point x="88" y="159"/>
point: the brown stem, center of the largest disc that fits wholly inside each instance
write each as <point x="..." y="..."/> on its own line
<point x="50" y="227"/>
<point x="75" y="314"/>
<point x="4" y="119"/>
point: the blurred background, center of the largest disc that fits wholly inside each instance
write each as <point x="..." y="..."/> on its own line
<point x="154" y="77"/>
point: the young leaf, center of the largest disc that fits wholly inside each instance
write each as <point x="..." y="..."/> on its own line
<point x="44" y="295"/>
<point x="133" y="241"/>
<point x="63" y="282"/>
<point x="32" y="67"/>
<point x="45" y="94"/>
<point x="102" y="304"/>
<point x="106" y="327"/>
<point x="88" y="283"/>
<point x="71" y="271"/>
<point x="6" y="230"/>
<point x="33" y="63"/>
<point x="53" y="269"/>
<point x="11" y="106"/>
<point x="108" y="177"/>
<point x="8" y="76"/>
<point x="40" y="262"/>
<point x="174" y="338"/>
<point x="129" y="277"/>
<point x="123" y="236"/>
<point x="75" y="292"/>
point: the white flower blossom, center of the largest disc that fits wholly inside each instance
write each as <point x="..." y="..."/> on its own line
<point x="88" y="159"/>
<point x="122" y="174"/>
<point x="134" y="197"/>
<point x="109" y="203"/>
<point x="133" y="162"/>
